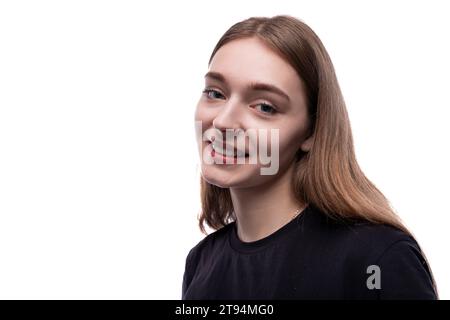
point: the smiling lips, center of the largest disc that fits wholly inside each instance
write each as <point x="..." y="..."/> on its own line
<point x="228" y="150"/>
<point x="227" y="156"/>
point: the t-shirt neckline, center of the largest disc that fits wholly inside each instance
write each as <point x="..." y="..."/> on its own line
<point x="258" y="245"/>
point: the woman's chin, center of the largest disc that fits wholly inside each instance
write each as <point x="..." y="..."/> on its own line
<point x="217" y="177"/>
<point x="220" y="177"/>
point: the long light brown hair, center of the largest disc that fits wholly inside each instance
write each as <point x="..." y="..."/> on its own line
<point x="328" y="175"/>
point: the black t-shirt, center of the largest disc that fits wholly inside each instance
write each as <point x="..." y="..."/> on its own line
<point x="310" y="257"/>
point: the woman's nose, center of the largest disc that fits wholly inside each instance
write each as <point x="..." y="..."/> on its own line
<point x="229" y="116"/>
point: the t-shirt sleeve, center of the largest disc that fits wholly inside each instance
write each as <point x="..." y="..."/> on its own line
<point x="405" y="273"/>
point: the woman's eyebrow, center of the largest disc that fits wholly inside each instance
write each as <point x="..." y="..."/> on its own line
<point x="255" y="86"/>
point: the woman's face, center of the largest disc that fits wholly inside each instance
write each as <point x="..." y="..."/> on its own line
<point x="231" y="102"/>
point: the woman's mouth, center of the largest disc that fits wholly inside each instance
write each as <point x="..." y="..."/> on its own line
<point x="227" y="156"/>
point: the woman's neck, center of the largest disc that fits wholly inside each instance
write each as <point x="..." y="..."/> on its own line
<point x="262" y="210"/>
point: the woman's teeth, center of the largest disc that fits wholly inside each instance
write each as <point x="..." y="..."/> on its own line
<point x="229" y="153"/>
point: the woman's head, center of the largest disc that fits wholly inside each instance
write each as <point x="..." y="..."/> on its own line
<point x="250" y="86"/>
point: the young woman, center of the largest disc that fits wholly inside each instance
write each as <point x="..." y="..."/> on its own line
<point x="314" y="227"/>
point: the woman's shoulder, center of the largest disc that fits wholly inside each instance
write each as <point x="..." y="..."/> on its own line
<point x="363" y="249"/>
<point x="212" y="242"/>
<point x="362" y="240"/>
<point x="396" y="256"/>
<point x="376" y="237"/>
<point x="357" y="236"/>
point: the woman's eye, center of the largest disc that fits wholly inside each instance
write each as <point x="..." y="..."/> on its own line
<point x="211" y="92"/>
<point x="266" y="108"/>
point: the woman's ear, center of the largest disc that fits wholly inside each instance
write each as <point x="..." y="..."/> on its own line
<point x="306" y="145"/>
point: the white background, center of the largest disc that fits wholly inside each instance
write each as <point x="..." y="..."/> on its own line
<point x="99" y="179"/>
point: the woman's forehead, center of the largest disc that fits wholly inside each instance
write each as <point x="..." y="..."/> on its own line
<point x="250" y="60"/>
